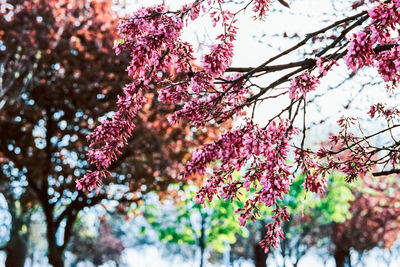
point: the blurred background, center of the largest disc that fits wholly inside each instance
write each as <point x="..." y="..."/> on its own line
<point x="59" y="78"/>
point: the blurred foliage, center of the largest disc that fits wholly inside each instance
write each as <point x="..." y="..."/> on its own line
<point x="182" y="222"/>
<point x="97" y="248"/>
<point x="374" y="220"/>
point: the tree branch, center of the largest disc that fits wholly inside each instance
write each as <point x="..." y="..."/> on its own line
<point x="383" y="173"/>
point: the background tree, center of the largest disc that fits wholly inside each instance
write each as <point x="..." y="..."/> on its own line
<point x="312" y="217"/>
<point x="21" y="211"/>
<point x="59" y="78"/>
<point x="97" y="249"/>
<point x="374" y="221"/>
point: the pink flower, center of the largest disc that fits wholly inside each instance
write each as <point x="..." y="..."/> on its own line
<point x="153" y="40"/>
<point x="260" y="7"/>
<point x="274" y="232"/>
<point x="302" y="84"/>
<point x="385" y="17"/>
<point x="389" y="65"/>
<point x="360" y="52"/>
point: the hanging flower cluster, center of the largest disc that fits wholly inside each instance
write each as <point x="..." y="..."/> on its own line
<point x="302" y="84"/>
<point x="265" y="151"/>
<point x="385" y="17"/>
<point x="152" y="38"/>
<point x="388" y="64"/>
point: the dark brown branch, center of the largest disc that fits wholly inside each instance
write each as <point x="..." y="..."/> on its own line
<point x="305" y="62"/>
<point x="383" y="173"/>
<point x="342" y="35"/>
<point x="32" y="184"/>
<point x="274" y="67"/>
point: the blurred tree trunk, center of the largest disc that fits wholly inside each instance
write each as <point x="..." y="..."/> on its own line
<point x="202" y="241"/>
<point x="56" y="256"/>
<point x="17" y="249"/>
<point x="342" y="256"/>
<point x="55" y="252"/>
<point x="17" y="246"/>
<point x="260" y="257"/>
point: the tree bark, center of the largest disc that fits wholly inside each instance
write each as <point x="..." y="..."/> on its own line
<point x="55" y="252"/>
<point x="342" y="256"/>
<point x="259" y="257"/>
<point x="17" y="246"/>
<point x="56" y="256"/>
<point x="202" y="241"/>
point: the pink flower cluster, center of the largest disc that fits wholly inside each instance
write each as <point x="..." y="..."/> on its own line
<point x="389" y="65"/>
<point x="274" y="230"/>
<point x="153" y="39"/>
<point x="219" y="59"/>
<point x="360" y="52"/>
<point x="356" y="4"/>
<point x="91" y="180"/>
<point x="212" y="105"/>
<point x="220" y="56"/>
<point x="197" y="111"/>
<point x="260" y="7"/>
<point x="347" y="153"/>
<point x="264" y="150"/>
<point x="249" y="211"/>
<point x="302" y="84"/>
<point x="324" y="65"/>
<point x="380" y="110"/>
<point x="385" y="17"/>
<point x="315" y="172"/>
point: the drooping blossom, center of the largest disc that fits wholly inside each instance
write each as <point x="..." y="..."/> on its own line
<point x="261" y="7"/>
<point x="389" y="65"/>
<point x="152" y="38"/>
<point x="274" y="230"/>
<point x="265" y="151"/>
<point x="385" y="18"/>
<point x="381" y="110"/>
<point x="360" y="52"/>
<point x="314" y="171"/>
<point x="302" y="84"/>
<point x="325" y="64"/>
